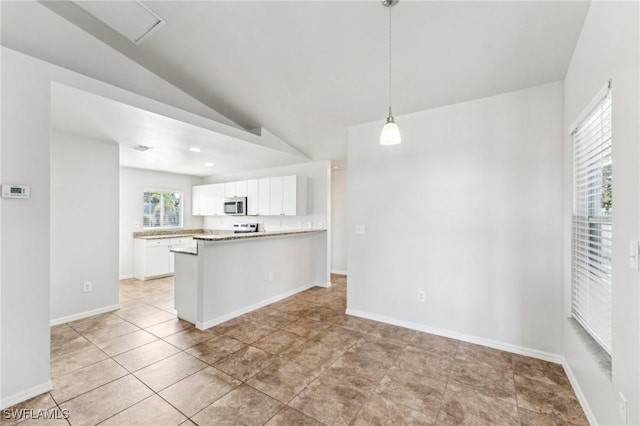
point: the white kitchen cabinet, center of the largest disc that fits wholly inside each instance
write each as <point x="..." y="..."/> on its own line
<point x="196" y="204"/>
<point x="235" y="189"/>
<point x="153" y="258"/>
<point x="212" y="199"/>
<point x="252" y="197"/>
<point x="275" y="205"/>
<point x="294" y="195"/>
<point x="264" y="196"/>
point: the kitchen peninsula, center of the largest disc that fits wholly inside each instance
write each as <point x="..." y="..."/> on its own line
<point x="232" y="274"/>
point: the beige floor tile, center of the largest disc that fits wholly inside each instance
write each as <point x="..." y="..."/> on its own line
<point x="392" y="333"/>
<point x="215" y="349"/>
<point x="209" y="384"/>
<point x="427" y="363"/>
<point x="126" y="342"/>
<point x="329" y="401"/>
<point x="66" y="340"/>
<point x="542" y="397"/>
<point x="406" y="387"/>
<point x="439" y="345"/>
<point x="533" y="418"/>
<point x="494" y="358"/>
<point x="282" y="380"/>
<point x="538" y="369"/>
<point x="106" y="401"/>
<point x="85" y="379"/>
<point x="76" y="360"/>
<point x="101" y="335"/>
<point x="484" y="378"/>
<point x="472" y="406"/>
<point x="246" y="362"/>
<point x="359" y="369"/>
<point x="145" y="355"/>
<point x="315" y="355"/>
<point x="305" y="327"/>
<point x="151" y="411"/>
<point x="190" y="337"/>
<point x="168" y="328"/>
<point x="380" y="411"/>
<point x="169" y="371"/>
<point x="243" y="406"/>
<point x="287" y="416"/>
<point x="279" y="341"/>
<point x="96" y="322"/>
<point x="277" y="319"/>
<point x="250" y="331"/>
<point x="153" y="319"/>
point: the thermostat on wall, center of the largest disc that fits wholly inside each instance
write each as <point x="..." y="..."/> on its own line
<point x="10" y="190"/>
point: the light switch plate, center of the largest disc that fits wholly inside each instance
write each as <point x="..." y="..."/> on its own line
<point x="361" y="230"/>
<point x="634" y="253"/>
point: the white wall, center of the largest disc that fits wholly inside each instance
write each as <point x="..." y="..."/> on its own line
<point x="608" y="49"/>
<point x="339" y="221"/>
<point x="468" y="209"/>
<point x="24" y="265"/>
<point x="84" y="218"/>
<point x="133" y="183"/>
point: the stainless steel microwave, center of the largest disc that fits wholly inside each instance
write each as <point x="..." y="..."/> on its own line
<point x="235" y="206"/>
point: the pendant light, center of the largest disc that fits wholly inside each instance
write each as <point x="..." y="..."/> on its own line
<point x="390" y="132"/>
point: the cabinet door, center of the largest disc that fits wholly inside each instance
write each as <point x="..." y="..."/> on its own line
<point x="218" y="199"/>
<point x="230" y="190"/>
<point x="264" y="197"/>
<point x="252" y="197"/>
<point x="276" y="196"/>
<point x="157" y="260"/>
<point x="241" y="189"/>
<point x="289" y="192"/>
<point x="196" y="206"/>
<point x="208" y="198"/>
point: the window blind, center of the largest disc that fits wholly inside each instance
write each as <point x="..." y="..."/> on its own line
<point x="592" y="225"/>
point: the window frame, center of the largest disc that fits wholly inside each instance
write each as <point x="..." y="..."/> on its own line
<point x="163" y="225"/>
<point x="592" y="221"/>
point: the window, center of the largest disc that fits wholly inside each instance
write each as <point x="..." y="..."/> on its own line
<point x="162" y="209"/>
<point x="592" y="226"/>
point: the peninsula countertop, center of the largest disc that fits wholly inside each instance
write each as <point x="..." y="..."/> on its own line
<point x="249" y="235"/>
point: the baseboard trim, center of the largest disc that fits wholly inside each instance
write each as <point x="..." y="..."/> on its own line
<point x="508" y="347"/>
<point x="82" y="315"/>
<point x="338" y="272"/>
<point x="125" y="277"/>
<point x="219" y="320"/>
<point x="25" y="394"/>
<point x="579" y="394"/>
<point x="323" y="285"/>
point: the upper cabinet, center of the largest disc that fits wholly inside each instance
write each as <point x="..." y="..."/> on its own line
<point x="274" y="196"/>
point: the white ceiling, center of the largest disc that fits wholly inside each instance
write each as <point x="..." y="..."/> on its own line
<point x="307" y="70"/>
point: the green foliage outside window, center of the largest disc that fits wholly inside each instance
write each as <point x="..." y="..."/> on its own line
<point x="162" y="209"/>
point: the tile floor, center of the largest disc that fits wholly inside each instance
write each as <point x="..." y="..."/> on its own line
<point x="300" y="361"/>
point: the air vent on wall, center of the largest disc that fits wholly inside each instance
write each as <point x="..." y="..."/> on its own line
<point x="141" y="148"/>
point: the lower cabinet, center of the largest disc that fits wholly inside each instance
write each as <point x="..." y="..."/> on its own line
<point x="152" y="258"/>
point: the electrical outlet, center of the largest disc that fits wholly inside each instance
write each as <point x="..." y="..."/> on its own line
<point x="622" y="408"/>
<point x="86" y="287"/>
<point x="421" y="296"/>
<point x="270" y="276"/>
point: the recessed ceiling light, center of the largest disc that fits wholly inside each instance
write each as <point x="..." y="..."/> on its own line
<point x="209" y="164"/>
<point x="131" y="19"/>
<point x="195" y="149"/>
<point x="151" y="160"/>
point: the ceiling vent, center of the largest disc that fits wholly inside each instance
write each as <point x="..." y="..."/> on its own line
<point x="131" y="19"/>
<point x="141" y="148"/>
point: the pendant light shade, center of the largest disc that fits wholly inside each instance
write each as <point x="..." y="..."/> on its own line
<point x="390" y="132"/>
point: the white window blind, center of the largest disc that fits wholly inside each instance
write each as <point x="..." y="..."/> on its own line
<point x="162" y="209"/>
<point x="592" y="227"/>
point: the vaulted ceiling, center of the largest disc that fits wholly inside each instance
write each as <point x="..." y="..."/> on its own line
<point x="307" y="70"/>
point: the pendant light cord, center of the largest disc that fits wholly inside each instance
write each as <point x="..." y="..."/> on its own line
<point x="389" y="60"/>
